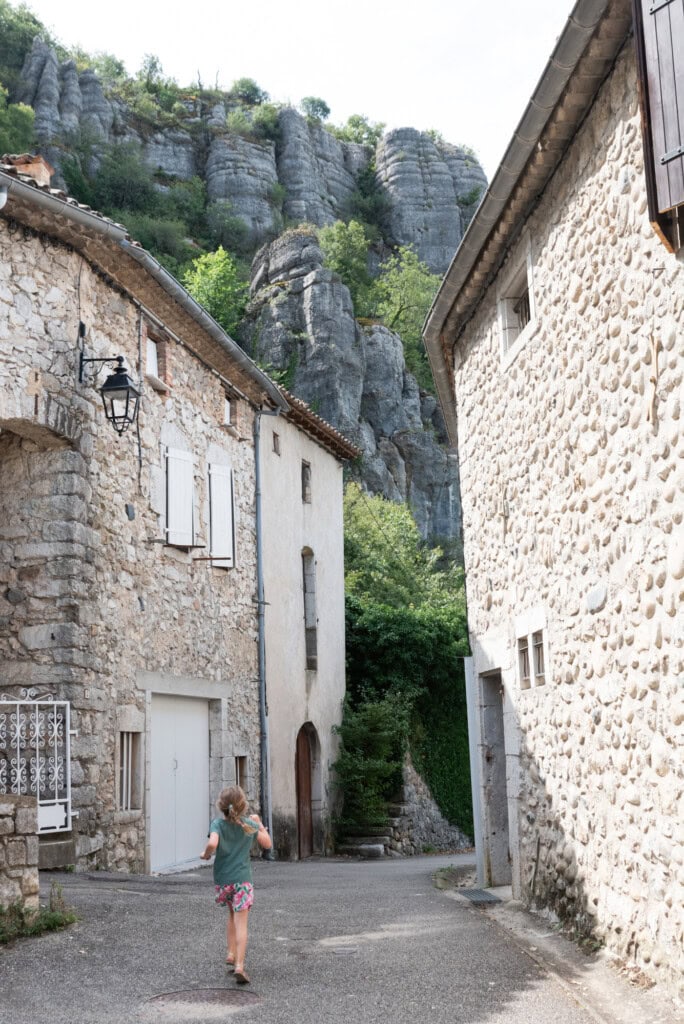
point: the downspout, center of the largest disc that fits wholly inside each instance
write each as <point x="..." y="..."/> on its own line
<point x="265" y="758"/>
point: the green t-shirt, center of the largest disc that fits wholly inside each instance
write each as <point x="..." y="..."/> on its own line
<point x="232" y="862"/>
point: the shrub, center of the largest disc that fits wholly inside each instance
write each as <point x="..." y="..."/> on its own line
<point x="345" y="248"/>
<point x="265" y="122"/>
<point x="315" y="108"/>
<point x="225" y="228"/>
<point x="237" y="123"/>
<point x="368" y="768"/>
<point x="248" y="91"/>
<point x="359" y="129"/>
<point x="124" y="181"/>
<point x="214" y="280"/>
<point x="16" y="125"/>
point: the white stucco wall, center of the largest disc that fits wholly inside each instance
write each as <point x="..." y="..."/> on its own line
<point x="297" y="695"/>
<point x="571" y="462"/>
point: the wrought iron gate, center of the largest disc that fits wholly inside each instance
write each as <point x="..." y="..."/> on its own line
<point x="35" y="757"/>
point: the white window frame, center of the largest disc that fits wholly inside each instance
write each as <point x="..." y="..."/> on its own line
<point x="180" y="498"/>
<point x="528" y="626"/>
<point x="152" y="358"/>
<point x="228" y="411"/>
<point x="221" y="516"/>
<point x="512" y="337"/>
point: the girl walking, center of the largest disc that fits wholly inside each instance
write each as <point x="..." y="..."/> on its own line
<point x="230" y="838"/>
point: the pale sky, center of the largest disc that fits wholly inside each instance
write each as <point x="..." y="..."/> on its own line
<point x="465" y="69"/>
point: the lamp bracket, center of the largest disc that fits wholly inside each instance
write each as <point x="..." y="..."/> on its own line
<point x="83" y="360"/>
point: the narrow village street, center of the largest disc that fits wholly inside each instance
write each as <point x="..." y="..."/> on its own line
<point x="331" y="941"/>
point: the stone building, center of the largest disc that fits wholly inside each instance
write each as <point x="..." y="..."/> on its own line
<point x="129" y="611"/>
<point x="556" y="341"/>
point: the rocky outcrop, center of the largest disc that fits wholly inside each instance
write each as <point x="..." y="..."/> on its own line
<point x="318" y="172"/>
<point x="243" y="174"/>
<point x="301" y="321"/>
<point x="432" y="187"/>
<point x="309" y="176"/>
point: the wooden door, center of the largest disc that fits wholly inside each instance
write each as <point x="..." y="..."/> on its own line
<point x="303" y="780"/>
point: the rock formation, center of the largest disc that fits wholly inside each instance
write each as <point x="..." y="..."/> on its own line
<point x="301" y="317"/>
<point x="301" y="321"/>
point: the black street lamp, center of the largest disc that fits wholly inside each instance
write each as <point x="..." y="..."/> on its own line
<point x="120" y="395"/>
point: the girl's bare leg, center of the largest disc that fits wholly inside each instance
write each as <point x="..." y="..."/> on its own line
<point x="240" y="919"/>
<point x="230" y="938"/>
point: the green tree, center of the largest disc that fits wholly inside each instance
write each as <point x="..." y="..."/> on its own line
<point x="315" y="108"/>
<point x="124" y="181"/>
<point x="405" y="290"/>
<point x="214" y="280"/>
<point x="359" y="129"/>
<point x="405" y="637"/>
<point x="16" y="125"/>
<point x="248" y="91"/>
<point x="345" y="249"/>
<point x="18" y="28"/>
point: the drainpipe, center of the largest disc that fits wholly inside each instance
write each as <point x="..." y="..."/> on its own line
<point x="265" y="758"/>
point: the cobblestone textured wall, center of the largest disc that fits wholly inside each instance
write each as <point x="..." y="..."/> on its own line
<point x="571" y="460"/>
<point x="19" y="851"/>
<point x="89" y="597"/>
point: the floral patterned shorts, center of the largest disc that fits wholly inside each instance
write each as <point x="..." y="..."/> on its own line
<point x="239" y="896"/>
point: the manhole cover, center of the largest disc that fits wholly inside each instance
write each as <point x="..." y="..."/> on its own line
<point x="480" y="897"/>
<point x="205" y="997"/>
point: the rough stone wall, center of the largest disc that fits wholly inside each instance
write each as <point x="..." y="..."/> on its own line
<point x="418" y="825"/>
<point x="90" y="599"/>
<point x="19" y="851"/>
<point x="572" y="489"/>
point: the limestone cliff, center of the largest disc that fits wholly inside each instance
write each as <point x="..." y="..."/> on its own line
<point x="301" y="320"/>
<point x="301" y="317"/>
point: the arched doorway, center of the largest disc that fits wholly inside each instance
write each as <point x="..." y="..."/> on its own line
<point x="306" y="770"/>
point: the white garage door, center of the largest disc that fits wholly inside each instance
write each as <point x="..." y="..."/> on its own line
<point x="179" y="799"/>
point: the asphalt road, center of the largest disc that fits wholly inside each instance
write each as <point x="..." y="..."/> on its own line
<point x="331" y="942"/>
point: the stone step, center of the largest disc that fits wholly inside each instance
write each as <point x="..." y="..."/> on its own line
<point x="366" y="830"/>
<point x="368" y="850"/>
<point x="396" y="810"/>
<point x="367" y="840"/>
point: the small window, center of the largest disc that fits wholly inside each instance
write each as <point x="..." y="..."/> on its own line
<point x="306" y="482"/>
<point x="310" y="617"/>
<point x="152" y="362"/>
<point x="524" y="662"/>
<point x="221" y="517"/>
<point x="241" y="772"/>
<point x="130" y="788"/>
<point x="276" y="443"/>
<point x="538" y="655"/>
<point x="179" y="498"/>
<point x="156" y="361"/>
<point x="516" y="304"/>
<point x="228" y="411"/>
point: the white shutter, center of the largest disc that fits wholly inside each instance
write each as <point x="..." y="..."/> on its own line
<point x="221" y="519"/>
<point x="179" y="497"/>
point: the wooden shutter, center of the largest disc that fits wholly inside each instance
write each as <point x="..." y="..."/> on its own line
<point x="179" y="498"/>
<point x="221" y="518"/>
<point x="659" y="28"/>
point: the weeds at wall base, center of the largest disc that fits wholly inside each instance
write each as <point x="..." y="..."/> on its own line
<point x="17" y="922"/>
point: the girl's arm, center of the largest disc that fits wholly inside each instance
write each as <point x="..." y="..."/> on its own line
<point x="263" y="838"/>
<point x="211" y="847"/>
